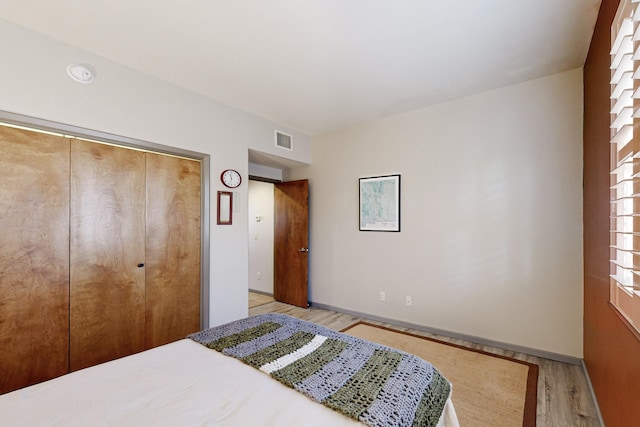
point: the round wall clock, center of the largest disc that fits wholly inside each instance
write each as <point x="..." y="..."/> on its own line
<point x="231" y="178"/>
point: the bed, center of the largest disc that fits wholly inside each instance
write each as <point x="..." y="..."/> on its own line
<point x="267" y="370"/>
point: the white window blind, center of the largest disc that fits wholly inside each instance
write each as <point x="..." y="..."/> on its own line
<point x="625" y="162"/>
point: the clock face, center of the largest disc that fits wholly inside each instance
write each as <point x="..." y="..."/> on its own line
<point x="231" y="178"/>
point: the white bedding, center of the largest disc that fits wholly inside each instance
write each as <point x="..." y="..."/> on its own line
<point x="178" y="384"/>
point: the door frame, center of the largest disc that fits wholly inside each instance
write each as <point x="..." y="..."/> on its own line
<point x="35" y="124"/>
<point x="275" y="182"/>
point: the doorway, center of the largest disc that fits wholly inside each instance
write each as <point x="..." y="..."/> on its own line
<point x="266" y="172"/>
<point x="261" y="239"/>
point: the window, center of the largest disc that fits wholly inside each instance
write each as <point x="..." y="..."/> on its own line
<point x="625" y="163"/>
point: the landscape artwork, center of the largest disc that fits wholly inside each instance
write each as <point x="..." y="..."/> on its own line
<point x="380" y="203"/>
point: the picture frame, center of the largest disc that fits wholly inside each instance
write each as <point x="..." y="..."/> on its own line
<point x="379" y="201"/>
<point x="225" y="208"/>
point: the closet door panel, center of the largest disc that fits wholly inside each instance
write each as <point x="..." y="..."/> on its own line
<point x="107" y="245"/>
<point x="173" y="249"/>
<point x="34" y="257"/>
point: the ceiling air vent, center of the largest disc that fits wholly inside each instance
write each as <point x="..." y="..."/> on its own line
<point x="284" y="141"/>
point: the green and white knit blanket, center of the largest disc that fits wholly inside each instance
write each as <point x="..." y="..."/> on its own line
<point x="368" y="382"/>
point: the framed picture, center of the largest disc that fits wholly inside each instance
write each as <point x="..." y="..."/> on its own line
<point x="380" y="203"/>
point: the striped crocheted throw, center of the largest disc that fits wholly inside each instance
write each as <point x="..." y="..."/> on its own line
<point x="368" y="382"/>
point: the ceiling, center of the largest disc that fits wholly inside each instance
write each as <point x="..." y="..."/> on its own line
<point x="321" y="65"/>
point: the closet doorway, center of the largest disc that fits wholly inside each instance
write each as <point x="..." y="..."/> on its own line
<point x="60" y="243"/>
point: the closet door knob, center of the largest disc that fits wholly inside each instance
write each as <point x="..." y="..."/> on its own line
<point x="140" y="265"/>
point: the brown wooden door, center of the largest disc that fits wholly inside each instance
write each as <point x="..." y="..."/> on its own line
<point x="34" y="257"/>
<point x="172" y="248"/>
<point x="291" y="242"/>
<point x="107" y="245"/>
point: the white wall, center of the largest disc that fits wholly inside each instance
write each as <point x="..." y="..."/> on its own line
<point x="261" y="236"/>
<point x="122" y="101"/>
<point x="265" y="172"/>
<point x="491" y="208"/>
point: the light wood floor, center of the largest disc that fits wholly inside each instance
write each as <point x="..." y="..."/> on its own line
<point x="563" y="395"/>
<point x="256" y="299"/>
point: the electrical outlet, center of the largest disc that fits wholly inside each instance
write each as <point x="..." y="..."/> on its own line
<point x="259" y="275"/>
<point x="408" y="301"/>
<point x="383" y="297"/>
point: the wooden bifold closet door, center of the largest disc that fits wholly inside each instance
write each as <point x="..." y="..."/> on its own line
<point x="34" y="257"/>
<point x="172" y="249"/>
<point x="135" y="251"/>
<point x="107" y="245"/>
<point x="100" y="253"/>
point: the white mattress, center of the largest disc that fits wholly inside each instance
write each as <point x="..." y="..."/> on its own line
<point x="178" y="384"/>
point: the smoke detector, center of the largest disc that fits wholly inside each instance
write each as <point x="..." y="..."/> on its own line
<point x="81" y="73"/>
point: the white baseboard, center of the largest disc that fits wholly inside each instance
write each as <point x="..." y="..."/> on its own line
<point x="255" y="291"/>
